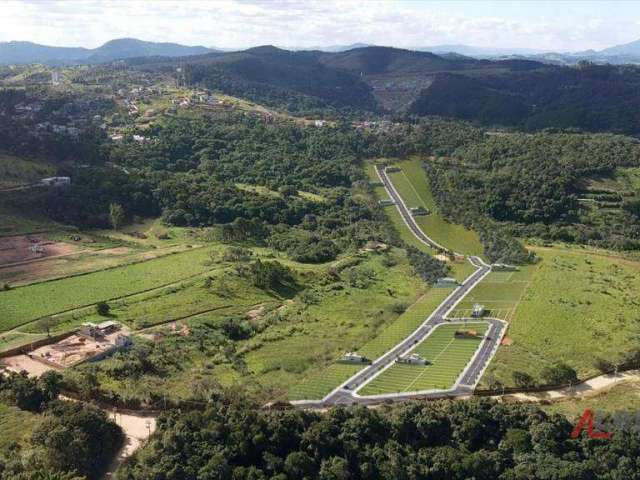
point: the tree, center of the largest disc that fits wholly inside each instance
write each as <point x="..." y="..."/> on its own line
<point x="559" y="374"/>
<point x="116" y="215"/>
<point x="603" y="365"/>
<point x="103" y="308"/>
<point x="45" y="324"/>
<point x="522" y="379"/>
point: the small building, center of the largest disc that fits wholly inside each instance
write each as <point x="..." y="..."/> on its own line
<point x="91" y="331"/>
<point x="55" y="181"/>
<point x="444" y="282"/>
<point x="417" y="211"/>
<point x="411" y="359"/>
<point x="108" y="327"/>
<point x="478" y="310"/>
<point x="352" y="357"/>
<point x="465" y="334"/>
<point x="503" y="267"/>
<point x="123" y="341"/>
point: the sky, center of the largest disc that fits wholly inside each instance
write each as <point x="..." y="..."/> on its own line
<point x="540" y="25"/>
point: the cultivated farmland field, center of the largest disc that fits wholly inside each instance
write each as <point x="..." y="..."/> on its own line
<point x="447" y="357"/>
<point x="24" y="304"/>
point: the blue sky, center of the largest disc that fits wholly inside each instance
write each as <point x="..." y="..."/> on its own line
<point x="542" y="25"/>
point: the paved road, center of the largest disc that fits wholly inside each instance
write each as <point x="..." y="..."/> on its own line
<point x="404" y="210"/>
<point x="466" y="383"/>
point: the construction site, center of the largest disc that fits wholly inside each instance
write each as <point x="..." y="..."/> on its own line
<point x="91" y="342"/>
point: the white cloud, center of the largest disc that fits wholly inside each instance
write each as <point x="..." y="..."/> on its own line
<point x="243" y="23"/>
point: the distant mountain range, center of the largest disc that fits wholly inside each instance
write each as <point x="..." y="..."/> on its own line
<point x="628" y="53"/>
<point x="28" y="52"/>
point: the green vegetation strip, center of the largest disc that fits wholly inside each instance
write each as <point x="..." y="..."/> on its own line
<point x="406" y="323"/>
<point x="322" y="384"/>
<point x="580" y="305"/>
<point x="412" y="184"/>
<point x="447" y="357"/>
<point x="25" y="304"/>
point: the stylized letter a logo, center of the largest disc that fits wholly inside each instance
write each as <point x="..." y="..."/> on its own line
<point x="587" y="417"/>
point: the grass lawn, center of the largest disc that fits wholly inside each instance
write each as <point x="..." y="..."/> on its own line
<point x="318" y="386"/>
<point x="15" y="171"/>
<point x="413" y="186"/>
<point x="311" y="337"/>
<point x="620" y="397"/>
<point x="16" y="425"/>
<point x="580" y="305"/>
<point x="499" y="292"/>
<point x="22" y="305"/>
<point x="447" y="357"/>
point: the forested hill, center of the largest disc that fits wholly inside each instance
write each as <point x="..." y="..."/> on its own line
<point x="518" y="93"/>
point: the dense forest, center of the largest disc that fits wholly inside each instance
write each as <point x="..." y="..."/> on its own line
<point x="588" y="97"/>
<point x="438" y="440"/>
<point x="534" y="184"/>
<point x="72" y="441"/>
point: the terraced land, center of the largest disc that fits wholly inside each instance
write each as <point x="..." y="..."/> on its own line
<point x="413" y="185"/>
<point x="447" y="357"/>
<point x="24" y="304"/>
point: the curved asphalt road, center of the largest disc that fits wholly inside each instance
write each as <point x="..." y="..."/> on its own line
<point x="344" y="394"/>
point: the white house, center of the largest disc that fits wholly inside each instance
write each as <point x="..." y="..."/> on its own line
<point x="412" y="359"/>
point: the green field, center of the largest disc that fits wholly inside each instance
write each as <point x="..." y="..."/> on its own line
<point x="459" y="271"/>
<point x="447" y="357"/>
<point x="321" y="384"/>
<point x="21" y="305"/>
<point x="499" y="292"/>
<point x="407" y="323"/>
<point x="581" y="304"/>
<point x="16" y="426"/>
<point x="15" y="171"/>
<point x="413" y="186"/>
<point x="621" y="397"/>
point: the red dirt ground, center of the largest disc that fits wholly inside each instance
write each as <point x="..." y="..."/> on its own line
<point x="19" y="248"/>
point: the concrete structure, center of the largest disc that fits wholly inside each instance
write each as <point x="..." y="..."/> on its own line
<point x="90" y="343"/>
<point x="412" y="359"/>
<point x="417" y="211"/>
<point x="352" y="357"/>
<point x="478" y="310"/>
<point x="55" y="181"/>
<point x="447" y="282"/>
<point x="503" y="267"/>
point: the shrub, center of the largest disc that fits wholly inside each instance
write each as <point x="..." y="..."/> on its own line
<point x="103" y="308"/>
<point x="522" y="379"/>
<point x="399" y="307"/>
